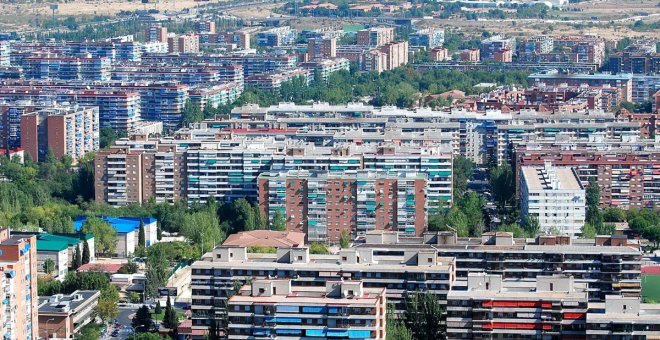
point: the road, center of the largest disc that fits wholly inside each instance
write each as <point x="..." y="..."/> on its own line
<point x="125" y="317"/>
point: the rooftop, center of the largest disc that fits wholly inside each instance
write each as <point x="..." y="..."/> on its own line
<point x="65" y="304"/>
<point x="266" y="238"/>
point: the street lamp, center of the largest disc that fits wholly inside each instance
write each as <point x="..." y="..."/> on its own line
<point x="47" y="321"/>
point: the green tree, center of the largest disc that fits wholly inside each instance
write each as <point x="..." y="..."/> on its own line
<point x="593" y="213"/>
<point x="396" y="328"/>
<point x="107" y="310"/>
<point x="531" y="226"/>
<point x="279" y="222"/>
<point x="158" y="309"/>
<point x="613" y="214"/>
<point x="503" y="185"/>
<point x="49" y="266"/>
<point x="105" y="236"/>
<point x="471" y="205"/>
<point x="318" y="248"/>
<point x="142" y="319"/>
<point x="513" y="228"/>
<point x="146" y="336"/>
<point x="157" y="271"/>
<point x="141" y="236"/>
<point x="85" y="253"/>
<point x="423" y="316"/>
<point x="344" y="239"/>
<point x="170" y="320"/>
<point x="77" y="259"/>
<point x="90" y="331"/>
<point x="588" y="231"/>
<point x="191" y="113"/>
<point x="462" y="170"/>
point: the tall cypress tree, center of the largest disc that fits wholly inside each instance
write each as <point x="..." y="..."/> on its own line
<point x="169" y="319"/>
<point x="141" y="237"/>
<point x="77" y="258"/>
<point x="85" y="253"/>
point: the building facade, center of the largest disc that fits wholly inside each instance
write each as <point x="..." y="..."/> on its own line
<point x="324" y="205"/>
<point x="341" y="309"/>
<point x="71" y="131"/>
<point x="553" y="196"/>
<point x="18" y="261"/>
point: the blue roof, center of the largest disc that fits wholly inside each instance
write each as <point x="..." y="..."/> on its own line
<point x="120" y="224"/>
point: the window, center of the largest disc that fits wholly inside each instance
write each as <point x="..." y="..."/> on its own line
<point x="261" y="290"/>
<point x="299" y="258"/>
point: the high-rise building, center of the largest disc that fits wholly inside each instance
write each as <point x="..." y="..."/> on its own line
<point x="67" y="68"/>
<point x="429" y="38"/>
<point x="205" y="26"/>
<point x="341" y="309"/>
<point x="554" y="196"/>
<point x="71" y="131"/>
<point x="634" y="62"/>
<point x="397" y="54"/>
<point x="375" y="36"/>
<point x="155" y="33"/>
<point x="4" y="53"/>
<point x="188" y="43"/>
<point x="325" y="204"/>
<point x="18" y="282"/>
<point x="490" y="46"/>
<point x="318" y="48"/>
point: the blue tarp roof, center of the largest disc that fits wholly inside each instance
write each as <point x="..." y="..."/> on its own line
<point x="120" y="224"/>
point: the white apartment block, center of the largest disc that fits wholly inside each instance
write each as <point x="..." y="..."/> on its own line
<point x="554" y="196"/>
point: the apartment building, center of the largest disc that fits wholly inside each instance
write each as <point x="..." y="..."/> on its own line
<point x="627" y="178"/>
<point x="187" y="43"/>
<point x="323" y="68"/>
<point x="527" y="47"/>
<point x="156" y="33"/>
<point x="428" y="38"/>
<point x="492" y="45"/>
<point x="274" y="37"/>
<point x="341" y="309"/>
<point x="71" y="131"/>
<point x="325" y="204"/>
<point x="396" y="52"/>
<point x="320" y="48"/>
<point x="375" y="36"/>
<point x="18" y="263"/>
<point x="634" y="62"/>
<point x="4" y="53"/>
<point x="622" y="318"/>
<point x="205" y="26"/>
<point x="439" y="54"/>
<point x="608" y="265"/>
<point x="623" y="81"/>
<point x="215" y="95"/>
<point x="587" y="49"/>
<point x="10" y="122"/>
<point x="470" y="55"/>
<point x="62" y="316"/>
<point x="214" y="276"/>
<point x="551" y="307"/>
<point x="274" y="80"/>
<point x="554" y="196"/>
<point x="67" y="68"/>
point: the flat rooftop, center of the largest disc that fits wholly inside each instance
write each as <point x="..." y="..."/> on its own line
<point x="540" y="179"/>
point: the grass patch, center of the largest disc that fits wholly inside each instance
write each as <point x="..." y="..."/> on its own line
<point x="651" y="288"/>
<point x="160" y="316"/>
